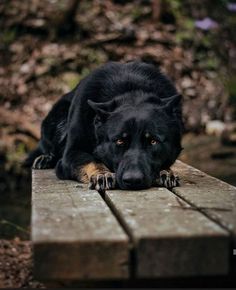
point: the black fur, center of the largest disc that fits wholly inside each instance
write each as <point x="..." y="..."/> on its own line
<point x="133" y="103"/>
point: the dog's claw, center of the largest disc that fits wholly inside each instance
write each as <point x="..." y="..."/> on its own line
<point x="102" y="181"/>
<point x="44" y="162"/>
<point x="168" y="179"/>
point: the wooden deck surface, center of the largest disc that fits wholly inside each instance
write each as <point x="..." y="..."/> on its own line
<point x="79" y="235"/>
<point x="74" y="233"/>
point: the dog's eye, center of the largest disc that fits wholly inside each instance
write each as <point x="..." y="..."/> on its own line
<point x="120" y="142"/>
<point x="153" y="142"/>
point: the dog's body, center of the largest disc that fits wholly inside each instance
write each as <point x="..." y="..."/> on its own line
<point x="121" y="125"/>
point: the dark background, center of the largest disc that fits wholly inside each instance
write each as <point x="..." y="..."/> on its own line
<point x="48" y="46"/>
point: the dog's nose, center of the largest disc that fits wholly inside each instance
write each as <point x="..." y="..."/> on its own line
<point x="133" y="179"/>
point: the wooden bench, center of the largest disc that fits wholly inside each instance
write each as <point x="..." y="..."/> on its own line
<point x="78" y="234"/>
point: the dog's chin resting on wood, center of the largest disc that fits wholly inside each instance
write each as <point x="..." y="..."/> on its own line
<point x="120" y="127"/>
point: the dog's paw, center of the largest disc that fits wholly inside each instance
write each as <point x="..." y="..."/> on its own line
<point x="44" y="162"/>
<point x="168" y="179"/>
<point x="102" y="181"/>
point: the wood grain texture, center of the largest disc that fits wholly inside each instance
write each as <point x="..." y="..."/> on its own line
<point x="210" y="195"/>
<point x="74" y="233"/>
<point x="170" y="238"/>
<point x="187" y="232"/>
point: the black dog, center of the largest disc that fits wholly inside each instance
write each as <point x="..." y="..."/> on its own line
<point x="121" y="126"/>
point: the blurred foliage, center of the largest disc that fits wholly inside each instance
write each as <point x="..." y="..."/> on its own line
<point x="231" y="86"/>
<point x="8" y="36"/>
<point x="188" y="11"/>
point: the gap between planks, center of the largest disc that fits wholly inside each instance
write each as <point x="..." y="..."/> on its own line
<point x="149" y="260"/>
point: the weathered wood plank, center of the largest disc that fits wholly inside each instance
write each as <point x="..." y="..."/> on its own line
<point x="210" y="195"/>
<point x="74" y="233"/>
<point x="215" y="198"/>
<point x="170" y="238"/>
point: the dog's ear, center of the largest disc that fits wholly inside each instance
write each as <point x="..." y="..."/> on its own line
<point x="99" y="110"/>
<point x="103" y="110"/>
<point x="172" y="104"/>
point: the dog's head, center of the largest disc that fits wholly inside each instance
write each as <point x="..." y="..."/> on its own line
<point x="137" y="138"/>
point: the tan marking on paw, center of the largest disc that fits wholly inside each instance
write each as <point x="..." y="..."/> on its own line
<point x="85" y="172"/>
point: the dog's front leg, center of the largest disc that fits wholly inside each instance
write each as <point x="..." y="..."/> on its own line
<point x="167" y="178"/>
<point x="97" y="175"/>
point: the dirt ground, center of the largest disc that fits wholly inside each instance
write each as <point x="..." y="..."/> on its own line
<point x="16" y="265"/>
